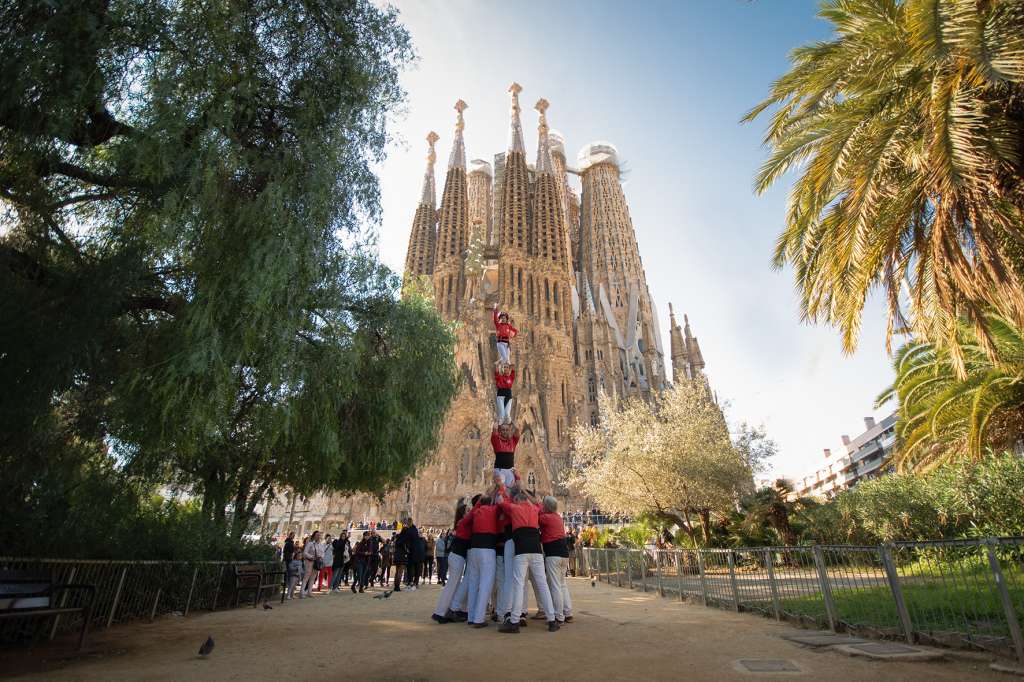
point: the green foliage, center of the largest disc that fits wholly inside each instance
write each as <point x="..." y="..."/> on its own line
<point x="943" y="417"/>
<point x="186" y="200"/>
<point x="967" y="500"/>
<point x="906" y="130"/>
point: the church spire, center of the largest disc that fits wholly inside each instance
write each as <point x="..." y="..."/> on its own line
<point x="453" y="226"/>
<point x="544" y="164"/>
<point x="687" y="360"/>
<point x="429" y="195"/>
<point x="515" y="142"/>
<point x="419" y="258"/>
<point x="458" y="156"/>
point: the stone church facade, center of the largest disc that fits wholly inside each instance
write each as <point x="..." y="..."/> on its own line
<point x="568" y="269"/>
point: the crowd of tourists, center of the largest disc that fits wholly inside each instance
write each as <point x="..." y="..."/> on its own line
<point x="594" y="517"/>
<point x="358" y="560"/>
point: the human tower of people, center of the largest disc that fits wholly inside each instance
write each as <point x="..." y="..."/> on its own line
<point x="504" y="535"/>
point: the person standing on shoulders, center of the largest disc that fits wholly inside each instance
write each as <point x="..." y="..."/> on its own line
<point x="504" y="332"/>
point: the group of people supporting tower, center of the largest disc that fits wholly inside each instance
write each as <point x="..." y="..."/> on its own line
<point x="505" y="536"/>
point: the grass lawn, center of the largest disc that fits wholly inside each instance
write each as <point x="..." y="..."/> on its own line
<point x="932" y="606"/>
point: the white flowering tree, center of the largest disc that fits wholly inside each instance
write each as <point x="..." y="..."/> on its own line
<point x="671" y="458"/>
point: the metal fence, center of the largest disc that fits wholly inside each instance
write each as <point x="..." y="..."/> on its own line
<point x="126" y="591"/>
<point x="957" y="593"/>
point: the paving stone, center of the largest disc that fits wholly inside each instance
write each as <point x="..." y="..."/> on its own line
<point x="891" y="651"/>
<point x="769" y="665"/>
<point x="824" y="639"/>
<point x="886" y="648"/>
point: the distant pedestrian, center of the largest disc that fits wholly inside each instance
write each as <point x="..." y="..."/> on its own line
<point x="312" y="562"/>
<point x="441" y="557"/>
<point x="327" y="570"/>
<point x="429" y="557"/>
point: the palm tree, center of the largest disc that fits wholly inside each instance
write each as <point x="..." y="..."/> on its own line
<point x="944" y="418"/>
<point x="771" y="511"/>
<point x="907" y="128"/>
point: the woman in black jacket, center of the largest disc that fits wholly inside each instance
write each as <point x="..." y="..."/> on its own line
<point x="405" y="541"/>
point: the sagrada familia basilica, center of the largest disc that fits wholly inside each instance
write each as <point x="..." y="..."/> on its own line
<point x="568" y="270"/>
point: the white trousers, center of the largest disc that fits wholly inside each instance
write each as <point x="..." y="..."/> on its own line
<point x="508" y="477"/>
<point x="534" y="563"/>
<point x="481" y="579"/>
<point x="554" y="568"/>
<point x="502" y="350"/>
<point x="456" y="566"/>
<point x="459" y="601"/>
<point x="505" y="599"/>
<point x="504" y="405"/>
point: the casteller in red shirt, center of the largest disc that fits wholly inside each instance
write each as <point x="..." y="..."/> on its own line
<point x="523" y="517"/>
<point x="552" y="534"/>
<point x="504" y="449"/>
<point x="505" y="380"/>
<point x="503" y="330"/>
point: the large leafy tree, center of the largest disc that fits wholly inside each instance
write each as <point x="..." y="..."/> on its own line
<point x="671" y="459"/>
<point x="186" y="189"/>
<point x="907" y="130"/>
<point x="943" y="418"/>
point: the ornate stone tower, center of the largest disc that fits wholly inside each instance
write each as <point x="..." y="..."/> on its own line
<point x="687" y="360"/>
<point x="419" y="258"/>
<point x="453" y="226"/>
<point x="568" y="270"/>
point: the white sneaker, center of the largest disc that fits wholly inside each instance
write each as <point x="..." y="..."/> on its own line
<point x="412" y="587"/>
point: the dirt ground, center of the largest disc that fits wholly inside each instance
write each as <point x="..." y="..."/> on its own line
<point x="618" y="635"/>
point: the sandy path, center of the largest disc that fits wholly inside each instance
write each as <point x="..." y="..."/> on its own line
<point x="618" y="635"/>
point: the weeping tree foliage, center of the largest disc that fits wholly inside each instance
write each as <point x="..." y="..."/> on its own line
<point x="906" y="128"/>
<point x="943" y="418"/>
<point x="671" y="459"/>
<point x="187" y="197"/>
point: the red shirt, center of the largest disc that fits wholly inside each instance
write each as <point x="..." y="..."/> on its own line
<point x="551" y="527"/>
<point x="505" y="380"/>
<point x="504" y="330"/>
<point x="503" y="444"/>
<point x="520" y="514"/>
<point x="484" y="519"/>
<point x="464" y="528"/>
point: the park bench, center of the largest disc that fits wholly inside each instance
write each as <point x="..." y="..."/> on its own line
<point x="254" y="578"/>
<point x="33" y="595"/>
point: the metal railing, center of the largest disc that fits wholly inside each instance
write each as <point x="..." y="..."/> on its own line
<point x="956" y="593"/>
<point x="126" y="591"/>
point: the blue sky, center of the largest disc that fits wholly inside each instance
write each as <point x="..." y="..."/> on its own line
<point x="667" y="83"/>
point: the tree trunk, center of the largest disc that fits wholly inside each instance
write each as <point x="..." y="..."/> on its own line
<point x="705" y="525"/>
<point x="689" y="528"/>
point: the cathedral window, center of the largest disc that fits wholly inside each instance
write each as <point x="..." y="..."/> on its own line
<point x="408" y="492"/>
<point x="531" y="482"/>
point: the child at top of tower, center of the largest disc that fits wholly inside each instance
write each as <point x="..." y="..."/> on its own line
<point x="504" y="441"/>
<point x="504" y="377"/>
<point x="504" y="332"/>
